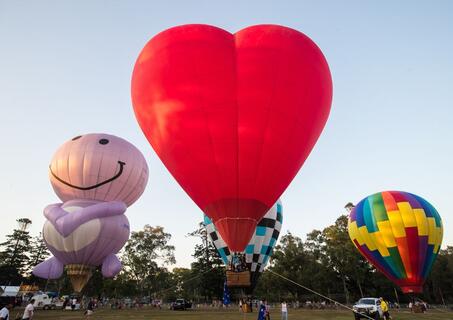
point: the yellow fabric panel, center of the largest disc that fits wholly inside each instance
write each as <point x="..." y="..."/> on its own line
<point x="439" y="235"/>
<point x="354" y="233"/>
<point x="407" y="214"/>
<point x="367" y="239"/>
<point x="436" y="248"/>
<point x="397" y="224"/>
<point x="385" y="229"/>
<point x="380" y="243"/>
<point x="422" y="222"/>
<point x="432" y="234"/>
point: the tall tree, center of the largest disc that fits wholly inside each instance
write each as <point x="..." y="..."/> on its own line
<point x="14" y="256"/>
<point x="292" y="260"/>
<point x="38" y="250"/>
<point x="208" y="266"/>
<point x="439" y="286"/>
<point x="145" y="256"/>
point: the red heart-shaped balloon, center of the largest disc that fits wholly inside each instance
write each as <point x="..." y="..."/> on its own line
<point x="232" y="117"/>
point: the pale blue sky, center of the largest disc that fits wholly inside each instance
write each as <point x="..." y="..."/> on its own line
<point x="65" y="69"/>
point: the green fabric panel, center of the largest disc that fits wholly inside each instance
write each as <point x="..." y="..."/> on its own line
<point x="397" y="262"/>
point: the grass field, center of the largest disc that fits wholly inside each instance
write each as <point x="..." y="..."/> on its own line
<point x="152" y="314"/>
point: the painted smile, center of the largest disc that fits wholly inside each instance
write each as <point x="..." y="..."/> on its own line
<point x="122" y="164"/>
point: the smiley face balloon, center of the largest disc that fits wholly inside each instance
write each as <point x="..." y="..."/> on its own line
<point x="98" y="167"/>
<point x="97" y="176"/>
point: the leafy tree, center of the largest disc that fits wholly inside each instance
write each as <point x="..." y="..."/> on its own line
<point x="38" y="251"/>
<point x="145" y="256"/>
<point x="209" y="266"/>
<point x="14" y="257"/>
<point x="342" y="257"/>
<point x="439" y="286"/>
<point x="181" y="282"/>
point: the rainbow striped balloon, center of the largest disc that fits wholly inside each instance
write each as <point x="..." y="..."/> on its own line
<point x="400" y="234"/>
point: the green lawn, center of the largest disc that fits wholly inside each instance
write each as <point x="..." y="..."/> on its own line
<point x="151" y="314"/>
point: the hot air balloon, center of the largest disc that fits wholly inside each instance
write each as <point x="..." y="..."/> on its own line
<point x="232" y="116"/>
<point x="400" y="234"/>
<point x="259" y="248"/>
<point x="97" y="176"/>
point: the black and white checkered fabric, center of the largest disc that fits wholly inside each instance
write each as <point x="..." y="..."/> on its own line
<point x="260" y="247"/>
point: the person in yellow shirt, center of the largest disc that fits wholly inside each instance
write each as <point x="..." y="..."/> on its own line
<point x="385" y="309"/>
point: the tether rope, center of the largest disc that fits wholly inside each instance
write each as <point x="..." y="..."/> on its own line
<point x="319" y="294"/>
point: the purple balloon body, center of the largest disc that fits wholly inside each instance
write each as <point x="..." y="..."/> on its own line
<point x="92" y="241"/>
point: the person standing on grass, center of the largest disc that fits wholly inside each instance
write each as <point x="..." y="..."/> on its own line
<point x="29" y="310"/>
<point x="268" y="311"/>
<point x="262" y="311"/>
<point x="284" y="311"/>
<point x="385" y="309"/>
<point x="4" y="312"/>
<point x="89" y="310"/>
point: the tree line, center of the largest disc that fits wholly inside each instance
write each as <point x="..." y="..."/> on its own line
<point x="326" y="261"/>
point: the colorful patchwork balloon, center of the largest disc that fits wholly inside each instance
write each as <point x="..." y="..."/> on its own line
<point x="260" y="246"/>
<point x="400" y="234"/>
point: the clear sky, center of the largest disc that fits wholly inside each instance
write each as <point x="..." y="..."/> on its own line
<point x="65" y="69"/>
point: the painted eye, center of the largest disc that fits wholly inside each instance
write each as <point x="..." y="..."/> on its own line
<point x="75" y="138"/>
<point x="103" y="141"/>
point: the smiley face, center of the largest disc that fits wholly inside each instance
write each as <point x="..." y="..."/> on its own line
<point x="98" y="167"/>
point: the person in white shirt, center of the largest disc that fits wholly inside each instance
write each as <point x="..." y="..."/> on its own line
<point x="4" y="312"/>
<point x="284" y="311"/>
<point x="73" y="304"/>
<point x="29" y="309"/>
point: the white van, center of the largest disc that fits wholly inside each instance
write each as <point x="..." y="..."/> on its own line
<point x="43" y="301"/>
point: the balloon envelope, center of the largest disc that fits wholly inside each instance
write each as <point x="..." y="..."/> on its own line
<point x="260" y="246"/>
<point x="400" y="234"/>
<point x="232" y="117"/>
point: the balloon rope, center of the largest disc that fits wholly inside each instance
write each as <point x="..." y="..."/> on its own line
<point x="185" y="281"/>
<point x="319" y="294"/>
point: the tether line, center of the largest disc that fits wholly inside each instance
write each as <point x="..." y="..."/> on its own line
<point x="184" y="281"/>
<point x="319" y="294"/>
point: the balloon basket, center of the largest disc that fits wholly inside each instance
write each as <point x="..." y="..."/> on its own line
<point x="79" y="275"/>
<point x="238" y="279"/>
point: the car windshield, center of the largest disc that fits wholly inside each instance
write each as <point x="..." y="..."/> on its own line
<point x="366" y="301"/>
<point x="179" y="301"/>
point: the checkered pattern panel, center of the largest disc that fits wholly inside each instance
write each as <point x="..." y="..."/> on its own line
<point x="260" y="246"/>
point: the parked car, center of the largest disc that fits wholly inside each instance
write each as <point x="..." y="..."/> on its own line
<point x="368" y="306"/>
<point x="180" y="304"/>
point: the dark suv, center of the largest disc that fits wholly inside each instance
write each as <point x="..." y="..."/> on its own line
<point x="181" y="304"/>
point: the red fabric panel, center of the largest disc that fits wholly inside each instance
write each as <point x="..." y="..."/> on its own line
<point x="404" y="251"/>
<point x="389" y="202"/>
<point x="413" y="244"/>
